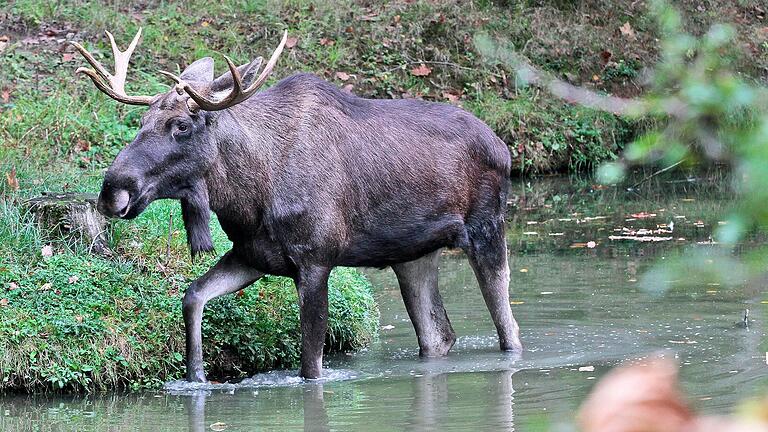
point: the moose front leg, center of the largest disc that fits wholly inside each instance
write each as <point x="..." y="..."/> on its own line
<point x="228" y="275"/>
<point x="312" y="285"/>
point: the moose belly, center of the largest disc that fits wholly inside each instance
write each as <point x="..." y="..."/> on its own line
<point x="386" y="244"/>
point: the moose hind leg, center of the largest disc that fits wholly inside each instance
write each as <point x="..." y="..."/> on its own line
<point x="418" y="285"/>
<point x="228" y="275"/>
<point x="487" y="253"/>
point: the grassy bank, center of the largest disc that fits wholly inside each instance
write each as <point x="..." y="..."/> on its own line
<point x="72" y="321"/>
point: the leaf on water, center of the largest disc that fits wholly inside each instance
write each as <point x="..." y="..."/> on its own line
<point x="387" y="327"/>
<point x="10" y="177"/>
<point x="421" y="70"/>
<point x="587" y="369"/>
<point x="47" y="251"/>
<point x="219" y="426"/>
<point x="516" y="302"/>
<point x="291" y="42"/>
<point x="530" y="233"/>
<point x="523" y="270"/>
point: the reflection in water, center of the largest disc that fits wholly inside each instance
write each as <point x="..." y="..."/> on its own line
<point x="315" y="414"/>
<point x="577" y="306"/>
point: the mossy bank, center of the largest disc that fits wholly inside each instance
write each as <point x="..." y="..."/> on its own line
<point x="84" y="323"/>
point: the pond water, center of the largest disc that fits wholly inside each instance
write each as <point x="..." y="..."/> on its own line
<point x="582" y="300"/>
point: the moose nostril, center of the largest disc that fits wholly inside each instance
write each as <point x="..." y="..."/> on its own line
<point x="120" y="202"/>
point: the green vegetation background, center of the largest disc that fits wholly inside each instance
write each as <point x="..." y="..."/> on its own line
<point x="74" y="321"/>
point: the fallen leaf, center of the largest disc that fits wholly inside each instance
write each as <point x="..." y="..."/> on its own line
<point x="79" y="318"/>
<point x="3" y="45"/>
<point x="421" y="70"/>
<point x="205" y="24"/>
<point x="47" y="251"/>
<point x="10" y="177"/>
<point x="627" y="30"/>
<point x="4" y="302"/>
<point x="342" y="75"/>
<point x="12" y="286"/>
<point x="46" y="286"/>
<point x="348" y="88"/>
<point x="291" y="42"/>
<point x="451" y="97"/>
<point x="82" y="145"/>
<point x="67" y="57"/>
<point x="5" y="95"/>
<point x="73" y="279"/>
<point x="326" y="42"/>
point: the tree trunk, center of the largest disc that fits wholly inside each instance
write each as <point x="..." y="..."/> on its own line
<point x="74" y="218"/>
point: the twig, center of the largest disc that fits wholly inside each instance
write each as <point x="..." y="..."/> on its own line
<point x="663" y="170"/>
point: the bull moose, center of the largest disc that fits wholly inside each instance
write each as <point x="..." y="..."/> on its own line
<point x="305" y="177"/>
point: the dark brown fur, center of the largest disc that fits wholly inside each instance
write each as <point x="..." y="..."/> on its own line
<point x="305" y="177"/>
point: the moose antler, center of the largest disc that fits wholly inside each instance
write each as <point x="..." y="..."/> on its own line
<point x="237" y="94"/>
<point x="113" y="85"/>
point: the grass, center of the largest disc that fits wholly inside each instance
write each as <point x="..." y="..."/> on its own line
<point x="74" y="321"/>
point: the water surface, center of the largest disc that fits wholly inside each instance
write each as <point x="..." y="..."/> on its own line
<point x="582" y="301"/>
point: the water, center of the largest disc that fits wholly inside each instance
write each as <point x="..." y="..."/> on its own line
<point x="578" y="306"/>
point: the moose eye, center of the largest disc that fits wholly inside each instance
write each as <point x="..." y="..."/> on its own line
<point x="182" y="129"/>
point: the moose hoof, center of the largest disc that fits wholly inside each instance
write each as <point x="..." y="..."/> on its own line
<point x="438" y="349"/>
<point x="511" y="345"/>
<point x="196" y="377"/>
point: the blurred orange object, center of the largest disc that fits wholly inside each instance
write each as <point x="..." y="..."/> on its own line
<point x="647" y="398"/>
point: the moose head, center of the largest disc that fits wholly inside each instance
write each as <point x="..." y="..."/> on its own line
<point x="176" y="144"/>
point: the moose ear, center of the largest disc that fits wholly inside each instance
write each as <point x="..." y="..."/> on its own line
<point x="200" y="70"/>
<point x="248" y="72"/>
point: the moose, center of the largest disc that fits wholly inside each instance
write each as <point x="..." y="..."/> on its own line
<point x="304" y="177"/>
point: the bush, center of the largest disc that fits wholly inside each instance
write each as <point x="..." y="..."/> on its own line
<point x="74" y="322"/>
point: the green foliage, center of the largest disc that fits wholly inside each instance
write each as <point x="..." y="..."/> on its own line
<point x="547" y="134"/>
<point x="78" y="322"/>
